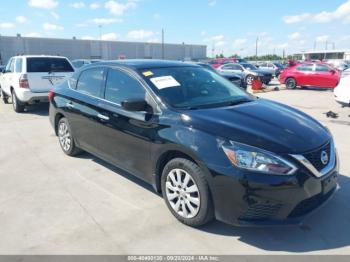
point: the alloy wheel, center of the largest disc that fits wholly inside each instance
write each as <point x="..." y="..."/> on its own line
<point x="64" y="136"/>
<point x="182" y="193"/>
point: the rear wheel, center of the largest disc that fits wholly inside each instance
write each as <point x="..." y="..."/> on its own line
<point x="18" y="106"/>
<point x="291" y="83"/>
<point x="4" y="97"/>
<point x="66" y="139"/>
<point x="186" y="192"/>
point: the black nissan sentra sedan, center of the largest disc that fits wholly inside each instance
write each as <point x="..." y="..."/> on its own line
<point x="211" y="149"/>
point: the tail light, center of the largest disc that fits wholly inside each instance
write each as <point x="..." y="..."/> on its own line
<point x="51" y="95"/>
<point x="23" y="81"/>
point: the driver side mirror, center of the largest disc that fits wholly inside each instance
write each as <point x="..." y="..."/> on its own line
<point x="332" y="71"/>
<point x="135" y="105"/>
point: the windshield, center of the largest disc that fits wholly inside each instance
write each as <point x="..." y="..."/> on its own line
<point x="249" y="66"/>
<point x="193" y="87"/>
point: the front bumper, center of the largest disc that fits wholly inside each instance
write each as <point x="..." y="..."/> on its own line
<point x="248" y="198"/>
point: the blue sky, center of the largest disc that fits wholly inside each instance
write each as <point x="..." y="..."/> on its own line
<point x="227" y="25"/>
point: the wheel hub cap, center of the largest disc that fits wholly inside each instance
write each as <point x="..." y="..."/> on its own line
<point x="182" y="193"/>
<point x="64" y="136"/>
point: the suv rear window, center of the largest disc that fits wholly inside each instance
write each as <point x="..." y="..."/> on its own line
<point x="48" y="64"/>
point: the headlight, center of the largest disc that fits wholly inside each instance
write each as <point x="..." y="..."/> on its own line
<point x="255" y="159"/>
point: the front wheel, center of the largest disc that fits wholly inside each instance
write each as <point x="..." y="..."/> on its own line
<point x="18" y="106"/>
<point x="249" y="79"/>
<point x="186" y="192"/>
<point x="291" y="83"/>
<point x="66" y="139"/>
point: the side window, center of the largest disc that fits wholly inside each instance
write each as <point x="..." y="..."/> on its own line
<point x="18" y="67"/>
<point x="90" y="81"/>
<point x="10" y="66"/>
<point x="322" y="68"/>
<point x="236" y="67"/>
<point x="305" y="68"/>
<point x="120" y="86"/>
<point x="227" y="67"/>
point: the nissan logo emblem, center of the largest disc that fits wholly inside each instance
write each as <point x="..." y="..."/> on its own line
<point x="324" y="157"/>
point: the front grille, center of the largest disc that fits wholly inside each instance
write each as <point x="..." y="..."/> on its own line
<point x="261" y="211"/>
<point x="314" y="157"/>
<point x="310" y="204"/>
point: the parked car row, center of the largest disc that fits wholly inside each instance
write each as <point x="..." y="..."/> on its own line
<point x="211" y="149"/>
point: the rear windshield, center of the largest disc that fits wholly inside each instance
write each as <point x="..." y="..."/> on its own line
<point x="48" y="64"/>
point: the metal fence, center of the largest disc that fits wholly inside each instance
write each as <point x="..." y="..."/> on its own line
<point x="94" y="49"/>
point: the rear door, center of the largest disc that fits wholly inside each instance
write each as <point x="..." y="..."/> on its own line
<point x="83" y="108"/>
<point x="45" y="72"/>
<point x="304" y="75"/>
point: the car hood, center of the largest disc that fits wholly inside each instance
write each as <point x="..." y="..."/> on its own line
<point x="264" y="124"/>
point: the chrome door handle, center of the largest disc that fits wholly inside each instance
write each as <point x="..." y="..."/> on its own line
<point x="103" y="117"/>
<point x="70" y="105"/>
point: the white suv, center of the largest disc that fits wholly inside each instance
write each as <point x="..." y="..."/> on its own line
<point x="28" y="79"/>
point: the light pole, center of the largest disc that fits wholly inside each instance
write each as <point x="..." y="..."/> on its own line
<point x="163" y="53"/>
<point x="256" y="49"/>
<point x="100" y="33"/>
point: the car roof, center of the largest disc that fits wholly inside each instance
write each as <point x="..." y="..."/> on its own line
<point x="29" y="56"/>
<point x="143" y="63"/>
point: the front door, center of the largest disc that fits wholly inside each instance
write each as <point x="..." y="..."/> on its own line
<point x="125" y="137"/>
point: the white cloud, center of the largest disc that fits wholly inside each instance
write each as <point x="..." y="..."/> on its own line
<point x="87" y="37"/>
<point x="52" y="27"/>
<point x="203" y="33"/>
<point x="21" y="19"/>
<point x="7" y="25"/>
<point x="240" y="42"/>
<point x="294" y="36"/>
<point x="55" y="15"/>
<point x="140" y="34"/>
<point x="106" y="21"/>
<point x="32" y="34"/>
<point x="44" y="4"/>
<point x="109" y="37"/>
<point x="295" y="18"/>
<point x="81" y="25"/>
<point x="342" y="12"/>
<point x="78" y="5"/>
<point x="322" y="38"/>
<point x="156" y="16"/>
<point x="94" y="6"/>
<point x="217" y="38"/>
<point x="119" y="9"/>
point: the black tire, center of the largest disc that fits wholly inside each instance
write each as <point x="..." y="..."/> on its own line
<point x="18" y="106"/>
<point x="249" y="79"/>
<point x="291" y="83"/>
<point x="72" y="149"/>
<point x="205" y="212"/>
<point x="4" y="97"/>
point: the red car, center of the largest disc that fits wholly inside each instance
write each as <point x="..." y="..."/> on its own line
<point x="216" y="63"/>
<point x="310" y="74"/>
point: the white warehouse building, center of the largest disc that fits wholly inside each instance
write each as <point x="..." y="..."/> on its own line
<point x="95" y="49"/>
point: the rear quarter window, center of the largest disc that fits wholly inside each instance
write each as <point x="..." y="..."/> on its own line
<point x="46" y="64"/>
